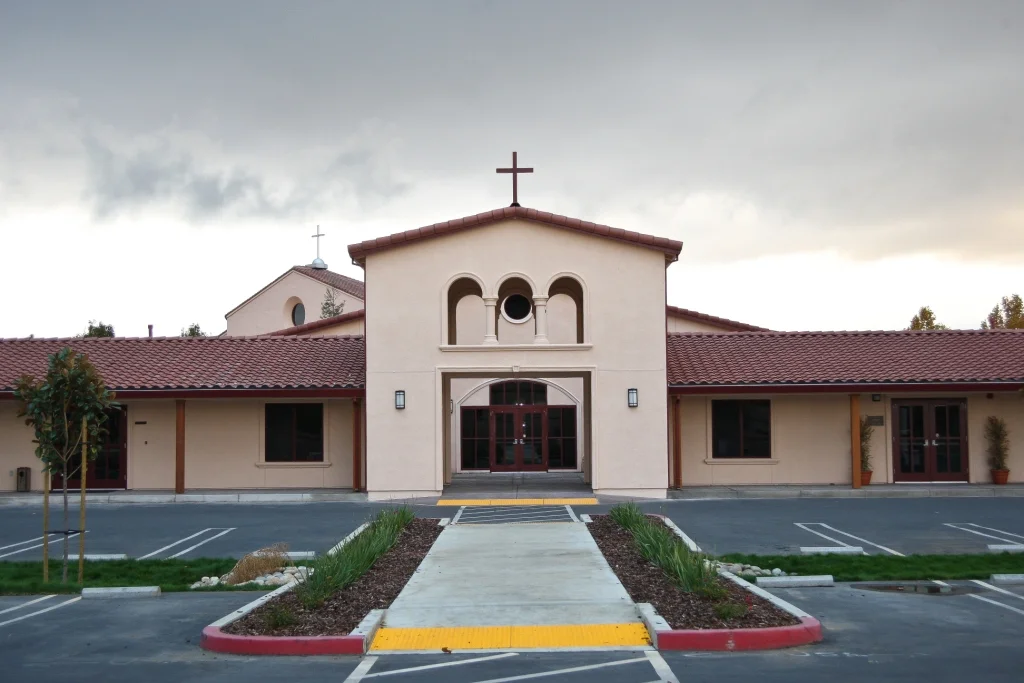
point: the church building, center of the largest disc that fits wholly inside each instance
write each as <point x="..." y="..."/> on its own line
<point x="517" y="340"/>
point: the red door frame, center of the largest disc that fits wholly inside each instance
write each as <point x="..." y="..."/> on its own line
<point x="930" y="444"/>
<point x="91" y="482"/>
<point x="518" y="436"/>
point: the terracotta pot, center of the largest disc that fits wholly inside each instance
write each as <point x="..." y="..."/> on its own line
<point x="1000" y="476"/>
<point x="865" y="477"/>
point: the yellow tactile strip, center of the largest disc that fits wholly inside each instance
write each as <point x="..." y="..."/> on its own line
<point x="517" y="501"/>
<point x="496" y="637"/>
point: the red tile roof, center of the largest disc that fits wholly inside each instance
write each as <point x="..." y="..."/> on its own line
<point x="359" y="251"/>
<point x="211" y="363"/>
<point x="746" y="359"/>
<point x="346" y="284"/>
<point x="724" y="323"/>
<point x="317" y="325"/>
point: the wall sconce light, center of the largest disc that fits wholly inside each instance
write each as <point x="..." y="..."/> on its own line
<point x="633" y="398"/>
<point x="399" y="400"/>
<point x="451" y="406"/>
<point x="876" y="397"/>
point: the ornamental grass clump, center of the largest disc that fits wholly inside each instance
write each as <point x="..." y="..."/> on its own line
<point x="997" y="440"/>
<point x="692" y="571"/>
<point x="334" y="571"/>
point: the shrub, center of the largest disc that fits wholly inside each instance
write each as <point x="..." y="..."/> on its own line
<point x="691" y="571"/>
<point x="256" y="564"/>
<point x="730" y="610"/>
<point x="866" y="432"/>
<point x="279" y="616"/>
<point x="334" y="571"/>
<point x="998" y="440"/>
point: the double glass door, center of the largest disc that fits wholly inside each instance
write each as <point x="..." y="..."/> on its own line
<point x="110" y="468"/>
<point x="517" y="438"/>
<point x="930" y="438"/>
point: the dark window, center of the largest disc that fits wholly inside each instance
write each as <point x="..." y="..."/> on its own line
<point x="298" y="314"/>
<point x="515" y="393"/>
<point x="476" y="439"/>
<point x="294" y="432"/>
<point x="741" y="429"/>
<point x="517" y="307"/>
<point x="562" y="437"/>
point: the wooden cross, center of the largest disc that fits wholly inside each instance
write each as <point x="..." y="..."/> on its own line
<point x="318" y="235"/>
<point x="515" y="171"/>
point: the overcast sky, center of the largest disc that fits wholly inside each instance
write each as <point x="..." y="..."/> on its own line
<point x="828" y="165"/>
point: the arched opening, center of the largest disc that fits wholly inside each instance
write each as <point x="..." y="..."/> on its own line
<point x="561" y="322"/>
<point x="514" y="312"/>
<point x="465" y="306"/>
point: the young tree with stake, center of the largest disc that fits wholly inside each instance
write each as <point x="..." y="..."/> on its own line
<point x="70" y="402"/>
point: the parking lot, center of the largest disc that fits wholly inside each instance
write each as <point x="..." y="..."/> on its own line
<point x="884" y="636"/>
<point x="876" y="525"/>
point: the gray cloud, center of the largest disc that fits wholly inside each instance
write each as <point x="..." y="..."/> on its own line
<point x="873" y="127"/>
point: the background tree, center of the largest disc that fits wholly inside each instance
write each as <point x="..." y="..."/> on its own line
<point x="55" y="407"/>
<point x="925" y="320"/>
<point x="331" y="306"/>
<point x="98" y="328"/>
<point x="192" y="330"/>
<point x="1008" y="315"/>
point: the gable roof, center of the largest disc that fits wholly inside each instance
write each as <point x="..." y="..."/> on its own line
<point x="724" y="323"/>
<point x="770" y="360"/>
<point x="160" y="365"/>
<point x="361" y="250"/>
<point x="346" y="284"/>
<point x="317" y="324"/>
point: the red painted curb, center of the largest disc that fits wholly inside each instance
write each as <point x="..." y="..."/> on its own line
<point x="216" y="640"/>
<point x="806" y="632"/>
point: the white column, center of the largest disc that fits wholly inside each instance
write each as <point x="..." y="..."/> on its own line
<point x="490" y="335"/>
<point x="540" y="313"/>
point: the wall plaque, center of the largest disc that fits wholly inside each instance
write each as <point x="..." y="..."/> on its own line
<point x="876" y="420"/>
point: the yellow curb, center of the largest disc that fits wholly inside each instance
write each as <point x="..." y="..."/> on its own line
<point x="496" y="637"/>
<point x="511" y="502"/>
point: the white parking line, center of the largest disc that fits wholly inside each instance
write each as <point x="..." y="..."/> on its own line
<point x="1008" y="544"/>
<point x="661" y="667"/>
<point x="26" y="604"/>
<point x="359" y="672"/>
<point x="187" y="538"/>
<point x="804" y="525"/>
<point x="455" y="519"/>
<point x="193" y="547"/>
<point x="42" y="611"/>
<point x="568" y="508"/>
<point x="984" y="599"/>
<point x="38" y="545"/>
<point x="542" y="674"/>
<point x="33" y="540"/>
<point x="997" y="589"/>
<point x="427" y="667"/>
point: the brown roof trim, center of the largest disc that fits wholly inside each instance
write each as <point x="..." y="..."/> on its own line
<point x="317" y="324"/>
<point x="359" y="251"/>
<point x="843" y="388"/>
<point x="724" y="323"/>
<point x="305" y="271"/>
<point x="254" y="392"/>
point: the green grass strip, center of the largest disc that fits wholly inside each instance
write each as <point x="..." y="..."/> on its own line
<point x="26" y="578"/>
<point x="889" y="567"/>
<point x="332" y="573"/>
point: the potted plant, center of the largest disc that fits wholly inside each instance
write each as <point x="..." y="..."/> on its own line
<point x="998" y="440"/>
<point x="866" y="430"/>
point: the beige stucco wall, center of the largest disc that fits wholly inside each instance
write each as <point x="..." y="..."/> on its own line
<point x="680" y="324"/>
<point x="348" y="327"/>
<point x="624" y="311"/>
<point x="271" y="309"/>
<point x="223" y="447"/>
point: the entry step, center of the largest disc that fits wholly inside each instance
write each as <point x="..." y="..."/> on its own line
<point x="514" y="514"/>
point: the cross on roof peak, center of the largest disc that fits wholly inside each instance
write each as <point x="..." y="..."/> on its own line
<point x="515" y="171"/>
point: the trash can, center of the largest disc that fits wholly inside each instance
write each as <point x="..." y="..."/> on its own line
<point x="24" y="479"/>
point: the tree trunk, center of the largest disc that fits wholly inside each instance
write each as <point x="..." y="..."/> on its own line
<point x="64" y="571"/>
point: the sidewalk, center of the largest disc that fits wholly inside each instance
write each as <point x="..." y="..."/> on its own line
<point x="844" y="491"/>
<point x="512" y="585"/>
<point x="9" y="499"/>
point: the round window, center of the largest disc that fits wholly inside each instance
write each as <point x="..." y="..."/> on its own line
<point x="298" y="314"/>
<point x="517" y="308"/>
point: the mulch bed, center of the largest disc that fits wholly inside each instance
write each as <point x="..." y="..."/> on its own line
<point x="376" y="589"/>
<point x="646" y="582"/>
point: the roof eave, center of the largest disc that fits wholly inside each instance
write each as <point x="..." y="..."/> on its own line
<point x="846" y="387"/>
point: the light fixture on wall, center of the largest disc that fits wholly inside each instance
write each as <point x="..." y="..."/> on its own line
<point x="399" y="400"/>
<point x="876" y="397"/>
<point x="633" y="398"/>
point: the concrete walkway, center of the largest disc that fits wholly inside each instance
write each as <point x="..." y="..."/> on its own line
<point x="484" y="586"/>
